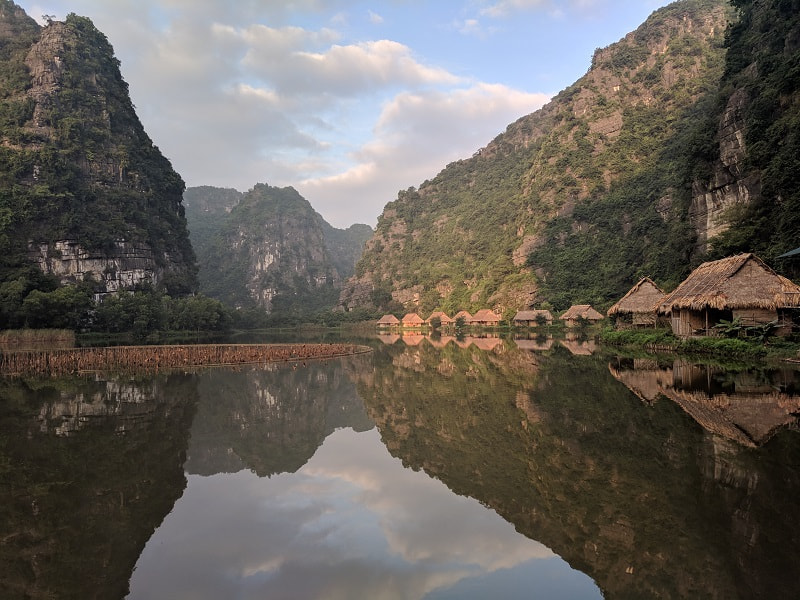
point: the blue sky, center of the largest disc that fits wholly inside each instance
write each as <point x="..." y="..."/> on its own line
<point x="345" y="100"/>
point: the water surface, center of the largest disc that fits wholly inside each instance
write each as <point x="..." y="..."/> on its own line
<point x="427" y="469"/>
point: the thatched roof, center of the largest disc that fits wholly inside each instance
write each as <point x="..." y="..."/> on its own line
<point x="485" y="315"/>
<point x="412" y="319"/>
<point x="737" y="282"/>
<point x="644" y="297"/>
<point x="442" y="317"/>
<point x="581" y="311"/>
<point x="463" y="314"/>
<point x="531" y="315"/>
<point x="388" y="320"/>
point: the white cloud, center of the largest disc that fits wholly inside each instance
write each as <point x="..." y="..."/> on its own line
<point x="375" y="18"/>
<point x="416" y="135"/>
<point x="341" y="70"/>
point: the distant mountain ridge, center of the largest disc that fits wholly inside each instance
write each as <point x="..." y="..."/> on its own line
<point x="269" y="248"/>
<point x="575" y="202"/>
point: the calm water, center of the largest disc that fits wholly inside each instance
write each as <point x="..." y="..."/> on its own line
<point x="428" y="469"/>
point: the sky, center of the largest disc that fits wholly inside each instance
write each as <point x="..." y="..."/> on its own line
<point x="347" y="101"/>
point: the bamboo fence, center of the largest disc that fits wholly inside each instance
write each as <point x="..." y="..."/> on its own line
<point x="76" y="360"/>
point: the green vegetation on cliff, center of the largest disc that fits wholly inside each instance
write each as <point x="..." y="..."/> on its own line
<point x="763" y="66"/>
<point x="77" y="163"/>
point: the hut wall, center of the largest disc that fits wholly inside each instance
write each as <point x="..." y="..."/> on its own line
<point x="644" y="319"/>
<point x="685" y="322"/>
<point x="755" y="316"/>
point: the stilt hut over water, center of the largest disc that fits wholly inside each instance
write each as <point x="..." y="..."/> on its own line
<point x="738" y="287"/>
<point x="639" y="307"/>
<point x="578" y="312"/>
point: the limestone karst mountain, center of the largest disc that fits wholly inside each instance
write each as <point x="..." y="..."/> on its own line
<point x="269" y="248"/>
<point x="630" y="172"/>
<point x="84" y="192"/>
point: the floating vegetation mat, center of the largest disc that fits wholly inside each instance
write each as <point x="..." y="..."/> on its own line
<point x="129" y="358"/>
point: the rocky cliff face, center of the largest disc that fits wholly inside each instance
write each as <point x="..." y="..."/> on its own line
<point x="588" y="189"/>
<point x="730" y="185"/>
<point x="86" y="191"/>
<point x="272" y="250"/>
<point x="749" y="201"/>
<point x="124" y="266"/>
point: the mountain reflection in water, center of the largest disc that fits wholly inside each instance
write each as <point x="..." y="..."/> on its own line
<point x="299" y="498"/>
<point x="668" y="481"/>
<point x="635" y="495"/>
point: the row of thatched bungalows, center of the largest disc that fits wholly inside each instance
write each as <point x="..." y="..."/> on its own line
<point x="741" y="287"/>
<point x="484" y="317"/>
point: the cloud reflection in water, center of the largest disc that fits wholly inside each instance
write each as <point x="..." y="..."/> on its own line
<point x="351" y="523"/>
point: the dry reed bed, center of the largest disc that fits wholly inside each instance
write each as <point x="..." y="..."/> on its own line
<point x="60" y="362"/>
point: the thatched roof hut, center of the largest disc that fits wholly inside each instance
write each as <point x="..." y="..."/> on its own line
<point x="741" y="286"/>
<point x="462" y="314"/>
<point x="580" y="311"/>
<point x="412" y="320"/>
<point x="532" y="317"/>
<point x="443" y="318"/>
<point x="388" y="321"/>
<point x="485" y="317"/>
<point x="640" y="305"/>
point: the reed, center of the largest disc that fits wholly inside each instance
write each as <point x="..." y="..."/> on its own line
<point x="136" y="358"/>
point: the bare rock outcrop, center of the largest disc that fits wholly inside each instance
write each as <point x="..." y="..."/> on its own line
<point x="729" y="186"/>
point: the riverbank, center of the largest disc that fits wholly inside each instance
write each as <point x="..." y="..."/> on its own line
<point x="662" y="341"/>
<point x="135" y="358"/>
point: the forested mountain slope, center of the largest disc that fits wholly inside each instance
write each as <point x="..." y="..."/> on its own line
<point x="573" y="203"/>
<point x="84" y="193"/>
